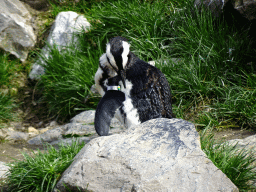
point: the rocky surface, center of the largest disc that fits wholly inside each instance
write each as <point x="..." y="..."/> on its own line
<point x="158" y="155"/>
<point x="245" y="7"/>
<point x="40" y="5"/>
<point x="16" y="32"/>
<point x="248" y="142"/>
<point x="61" y="35"/>
<point x="80" y="126"/>
<point x="11" y="135"/>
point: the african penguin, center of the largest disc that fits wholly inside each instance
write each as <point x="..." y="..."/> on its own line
<point x="132" y="89"/>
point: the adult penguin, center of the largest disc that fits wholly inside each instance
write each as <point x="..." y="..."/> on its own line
<point x="131" y="88"/>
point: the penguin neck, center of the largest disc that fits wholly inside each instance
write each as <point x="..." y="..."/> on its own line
<point x="131" y="60"/>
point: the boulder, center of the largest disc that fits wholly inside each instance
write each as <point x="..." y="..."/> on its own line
<point x="16" y="32"/>
<point x="158" y="155"/>
<point x="61" y="35"/>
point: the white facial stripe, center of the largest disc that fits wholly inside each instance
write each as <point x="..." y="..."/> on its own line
<point x="110" y="56"/>
<point x="104" y="63"/>
<point x="125" y="53"/>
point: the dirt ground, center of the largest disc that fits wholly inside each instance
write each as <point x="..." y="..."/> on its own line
<point x="10" y="152"/>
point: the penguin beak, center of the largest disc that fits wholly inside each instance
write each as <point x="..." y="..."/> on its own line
<point x="106" y="110"/>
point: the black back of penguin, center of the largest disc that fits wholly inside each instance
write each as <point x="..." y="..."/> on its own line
<point x="150" y="93"/>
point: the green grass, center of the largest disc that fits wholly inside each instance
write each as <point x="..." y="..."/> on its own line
<point x="8" y="81"/>
<point x="7" y="106"/>
<point x="68" y="79"/>
<point x="42" y="170"/>
<point x="239" y="165"/>
<point x="210" y="74"/>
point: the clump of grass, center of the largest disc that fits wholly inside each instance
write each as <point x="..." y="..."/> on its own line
<point x="8" y="73"/>
<point x="238" y="164"/>
<point x="211" y="69"/>
<point x="68" y="79"/>
<point x="41" y="171"/>
<point x="7" y="106"/>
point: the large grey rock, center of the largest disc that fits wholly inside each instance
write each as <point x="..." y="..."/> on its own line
<point x="16" y="32"/>
<point x="61" y="35"/>
<point x="158" y="155"/>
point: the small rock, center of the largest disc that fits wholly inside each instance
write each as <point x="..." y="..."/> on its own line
<point x="3" y="170"/>
<point x="48" y="136"/>
<point x="43" y="130"/>
<point x="17" y="136"/>
<point x="53" y="124"/>
<point x="32" y="131"/>
<point x="18" y="126"/>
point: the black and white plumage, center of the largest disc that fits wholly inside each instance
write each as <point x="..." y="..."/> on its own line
<point x="145" y="92"/>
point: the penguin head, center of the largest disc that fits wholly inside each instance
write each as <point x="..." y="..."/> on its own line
<point x="117" y="53"/>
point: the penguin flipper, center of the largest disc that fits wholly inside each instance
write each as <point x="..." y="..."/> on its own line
<point x="106" y="109"/>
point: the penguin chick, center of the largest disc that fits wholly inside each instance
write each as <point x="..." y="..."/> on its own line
<point x="146" y="92"/>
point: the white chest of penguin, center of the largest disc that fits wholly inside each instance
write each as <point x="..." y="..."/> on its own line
<point x="127" y="114"/>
